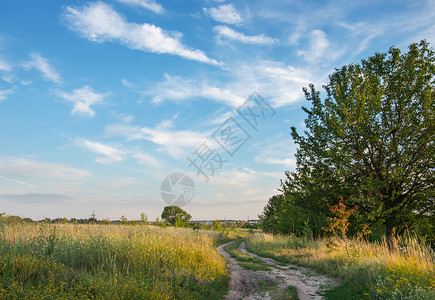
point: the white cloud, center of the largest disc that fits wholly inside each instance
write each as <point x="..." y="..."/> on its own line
<point x="128" y="84"/>
<point x="5" y="93"/>
<point x="42" y="65"/>
<point x="277" y="82"/>
<point x="176" y="88"/>
<point x="276" y="151"/>
<point x="319" y="48"/>
<point x="19" y="167"/>
<point x="10" y="78"/>
<point x="225" y="14"/>
<point x="98" y="22"/>
<point x="217" y="118"/>
<point x="121" y="183"/>
<point x="165" y="124"/>
<point x="83" y="99"/>
<point x="4" y="66"/>
<point x="35" y="198"/>
<point x="175" y="142"/>
<point x="17" y="181"/>
<point x="147" y="4"/>
<point x="287" y="162"/>
<point x="107" y="153"/>
<point x="229" y="33"/>
<point x="146" y="159"/>
<point x="243" y="177"/>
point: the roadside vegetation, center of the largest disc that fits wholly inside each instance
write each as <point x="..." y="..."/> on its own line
<point x="360" y="203"/>
<point x="403" y="270"/>
<point x="66" y="261"/>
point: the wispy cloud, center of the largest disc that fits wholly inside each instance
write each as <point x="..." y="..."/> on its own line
<point x="20" y="167"/>
<point x="279" y="83"/>
<point x="276" y="151"/>
<point x="4" y="66"/>
<point x="35" y="198"/>
<point x="174" y="142"/>
<point x="225" y="14"/>
<point x="121" y="183"/>
<point x="98" y="22"/>
<point x="319" y="45"/>
<point x="5" y="93"/>
<point x="42" y="65"/>
<point x="176" y="88"/>
<point x="10" y="78"/>
<point x="146" y="159"/>
<point x="83" y="99"/>
<point x="107" y="154"/>
<point x="147" y="4"/>
<point x="229" y="33"/>
<point x="17" y="181"/>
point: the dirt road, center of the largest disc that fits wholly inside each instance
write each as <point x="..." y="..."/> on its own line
<point x="244" y="284"/>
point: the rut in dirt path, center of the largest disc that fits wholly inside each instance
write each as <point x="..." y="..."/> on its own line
<point x="244" y="283"/>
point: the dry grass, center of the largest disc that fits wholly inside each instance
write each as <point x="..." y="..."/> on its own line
<point x="109" y="262"/>
<point x="404" y="271"/>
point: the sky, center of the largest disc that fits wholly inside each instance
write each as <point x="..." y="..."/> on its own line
<point x="123" y="106"/>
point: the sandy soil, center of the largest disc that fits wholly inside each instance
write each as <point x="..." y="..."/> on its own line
<point x="244" y="283"/>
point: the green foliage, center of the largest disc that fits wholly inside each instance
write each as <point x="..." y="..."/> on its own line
<point x="217" y="226"/>
<point x="179" y="222"/>
<point x="370" y="140"/>
<point x="143" y="219"/>
<point x="171" y="213"/>
<point x="124" y="220"/>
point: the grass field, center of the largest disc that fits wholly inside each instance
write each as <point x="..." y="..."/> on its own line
<point x="369" y="270"/>
<point x="66" y="261"/>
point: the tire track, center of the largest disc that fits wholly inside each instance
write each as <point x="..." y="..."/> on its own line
<point x="244" y="283"/>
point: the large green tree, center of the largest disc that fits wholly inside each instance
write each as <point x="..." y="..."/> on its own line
<point x="172" y="213"/>
<point x="372" y="140"/>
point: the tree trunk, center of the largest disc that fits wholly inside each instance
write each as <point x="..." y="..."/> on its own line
<point x="389" y="233"/>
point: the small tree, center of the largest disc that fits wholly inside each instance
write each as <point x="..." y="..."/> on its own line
<point x="339" y="224"/>
<point x="143" y="219"/>
<point x="179" y="222"/>
<point x="171" y="213"/>
<point x="124" y="220"/>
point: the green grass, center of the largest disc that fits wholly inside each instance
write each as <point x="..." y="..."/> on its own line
<point x="290" y="293"/>
<point x="265" y="286"/>
<point x="245" y="260"/>
<point x="110" y="262"/>
<point x="370" y="271"/>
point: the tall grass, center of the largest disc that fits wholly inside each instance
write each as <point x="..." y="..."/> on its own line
<point x="68" y="261"/>
<point x="405" y="270"/>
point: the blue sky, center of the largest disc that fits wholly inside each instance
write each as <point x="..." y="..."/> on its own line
<point x="101" y="100"/>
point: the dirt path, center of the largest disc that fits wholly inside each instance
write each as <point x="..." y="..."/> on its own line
<point x="244" y="283"/>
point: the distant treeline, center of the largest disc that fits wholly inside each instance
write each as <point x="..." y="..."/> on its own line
<point x="215" y="224"/>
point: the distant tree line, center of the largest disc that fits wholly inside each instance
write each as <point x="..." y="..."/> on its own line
<point x="171" y="216"/>
<point x="371" y="141"/>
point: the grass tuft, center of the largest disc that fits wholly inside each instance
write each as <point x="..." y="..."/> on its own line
<point x="404" y="270"/>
